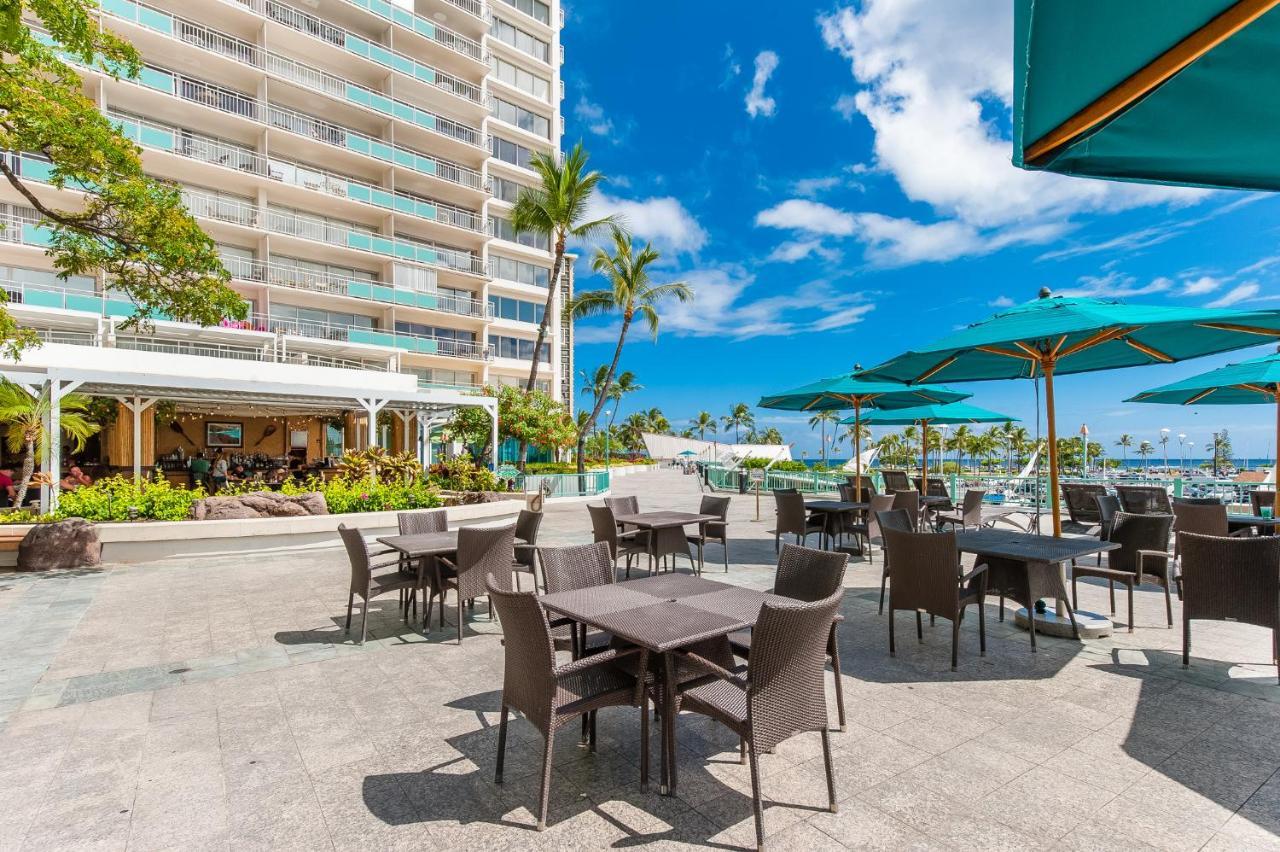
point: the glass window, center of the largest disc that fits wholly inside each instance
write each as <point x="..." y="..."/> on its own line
<point x="510" y="152"/>
<point x="519" y="348"/>
<point x="521" y="40"/>
<point x="523" y="118"/>
<point x="333" y="440"/>
<point x="519" y="271"/>
<point x="535" y="9"/>
<point x="505" y="189"/>
<point x="517" y="77"/>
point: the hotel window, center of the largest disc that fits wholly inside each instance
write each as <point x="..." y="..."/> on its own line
<point x="521" y="40"/>
<point x="505" y="189"/>
<point x="505" y="307"/>
<point x="523" y="118"/>
<point x="415" y="278"/>
<point x="519" y="348"/>
<point x="519" y="271"/>
<point x="535" y="9"/>
<point x="517" y="382"/>
<point x="312" y="322"/>
<point x="525" y="81"/>
<point x="503" y="230"/>
<point x="292" y="271"/>
<point x="42" y="279"/>
<point x="437" y="332"/>
<point x="510" y="152"/>
<point x="432" y="376"/>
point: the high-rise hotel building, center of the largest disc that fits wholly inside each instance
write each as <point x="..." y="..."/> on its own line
<point x="356" y="162"/>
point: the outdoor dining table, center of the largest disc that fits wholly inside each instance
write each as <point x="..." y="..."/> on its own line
<point x="831" y="510"/>
<point x="1034" y="566"/>
<point x="663" y="613"/>
<point x="666" y="530"/>
<point x="1264" y="525"/>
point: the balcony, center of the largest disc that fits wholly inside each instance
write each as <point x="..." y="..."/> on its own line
<point x="306" y="76"/>
<point x="428" y="29"/>
<point x="367" y="335"/>
<point x="183" y="143"/>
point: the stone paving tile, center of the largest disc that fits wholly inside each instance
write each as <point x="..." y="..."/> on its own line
<point x="244" y="717"/>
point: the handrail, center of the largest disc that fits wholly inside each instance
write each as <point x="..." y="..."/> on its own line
<point x="368" y="335"/>
<point x="428" y="29"/>
<point x="214" y="206"/>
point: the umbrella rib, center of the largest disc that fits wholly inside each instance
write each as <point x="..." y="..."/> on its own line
<point x="1148" y="350"/>
<point x="1199" y="396"/>
<point x="1098" y="339"/>
<point x="1256" y="389"/>
<point x="1009" y="353"/>
<point x="937" y="368"/>
<point x="1152" y="75"/>
<point x="1243" y="329"/>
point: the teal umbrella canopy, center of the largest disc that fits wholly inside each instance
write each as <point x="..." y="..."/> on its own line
<point x="837" y="393"/>
<point x="1184" y="92"/>
<point x="1248" y="383"/>
<point x="949" y="415"/>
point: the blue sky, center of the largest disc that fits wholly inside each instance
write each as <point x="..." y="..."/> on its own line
<point x="833" y="180"/>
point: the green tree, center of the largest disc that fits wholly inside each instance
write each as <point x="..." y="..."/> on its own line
<point x="24" y="415"/>
<point x="703" y="423"/>
<point x="531" y="417"/>
<point x="630" y="292"/>
<point x="1124" y="443"/>
<point x="656" y="422"/>
<point x="557" y="209"/>
<point x="738" y="418"/>
<point x="129" y="226"/>
<point x="632" y="431"/>
<point x="770" y="436"/>
<point x="958" y="442"/>
<point x="1144" y="450"/>
<point x="820" y="421"/>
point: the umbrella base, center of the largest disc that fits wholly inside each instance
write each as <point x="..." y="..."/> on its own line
<point x="1092" y="625"/>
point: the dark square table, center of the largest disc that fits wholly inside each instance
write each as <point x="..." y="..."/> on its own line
<point x="1264" y="526"/>
<point x="832" y="511"/>
<point x="666" y="531"/>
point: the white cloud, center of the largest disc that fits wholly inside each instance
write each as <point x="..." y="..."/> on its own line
<point x="758" y="103"/>
<point x="1200" y="286"/>
<point x="933" y="76"/>
<point x="662" y="220"/>
<point x="732" y="67"/>
<point x="592" y="115"/>
<point x="1236" y="294"/>
<point x="792" y="251"/>
<point x="810" y="216"/>
<point x="809" y="187"/>
<point x="1115" y="285"/>
<point x="1001" y="302"/>
<point x="847" y="106"/>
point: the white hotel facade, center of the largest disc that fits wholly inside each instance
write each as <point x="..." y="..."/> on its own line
<point x="355" y="161"/>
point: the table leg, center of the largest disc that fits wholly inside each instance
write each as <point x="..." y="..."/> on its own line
<point x="669" y="723"/>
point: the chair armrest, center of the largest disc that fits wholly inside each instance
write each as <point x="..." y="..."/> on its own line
<point x="560" y="622"/>
<point x="712" y="669"/>
<point x="373" y="566"/>
<point x="607" y="656"/>
<point x="1144" y="555"/>
<point x="1241" y="533"/>
<point x="977" y="570"/>
<point x="446" y="561"/>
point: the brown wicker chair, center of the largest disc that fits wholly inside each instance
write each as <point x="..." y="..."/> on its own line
<point x="936" y="487"/>
<point x="1144" y="500"/>
<point x="565" y="569"/>
<point x="551" y="696"/>
<point x="629" y="505"/>
<point x="1260" y="499"/>
<point x="780" y="693"/>
<point x="806" y="575"/>
<point x="869" y="529"/>
<point x="422" y="522"/>
<point x="927" y="577"/>
<point x="893" y="519"/>
<point x="368" y="583"/>
<point x="1143" y="554"/>
<point x="1231" y="579"/>
<point x="868" y="488"/>
<point x="1079" y="500"/>
<point x="627" y="544"/>
<point x="970" y="514"/>
<point x="482" y="552"/>
<point x="909" y="502"/>
<point x="793" y="518"/>
<point x="895" y="480"/>
<point x="527" y="524"/>
<point x="1201" y="519"/>
<point x="716" y="531"/>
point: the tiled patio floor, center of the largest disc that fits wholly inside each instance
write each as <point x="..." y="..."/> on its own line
<point x="218" y="705"/>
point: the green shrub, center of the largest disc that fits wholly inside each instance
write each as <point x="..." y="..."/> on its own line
<point x="118" y="498"/>
<point x="343" y="496"/>
<point x="781" y="467"/>
<point x="461" y="474"/>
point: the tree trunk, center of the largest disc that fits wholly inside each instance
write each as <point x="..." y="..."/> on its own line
<point x="28" y="470"/>
<point x="547" y="314"/>
<point x="608" y="380"/>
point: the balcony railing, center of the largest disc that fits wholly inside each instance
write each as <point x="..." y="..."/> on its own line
<point x="211" y="206"/>
<point x="424" y="27"/>
<point x="368" y="335"/>
<point x="184" y="143"/>
<point x="309" y="77"/>
<point x="23" y="229"/>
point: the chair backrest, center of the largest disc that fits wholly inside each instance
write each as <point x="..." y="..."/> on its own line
<point x="718" y="506"/>
<point x="847" y="492"/>
<point x="1144" y="500"/>
<point x="809" y="575"/>
<point x="629" y="505"/>
<point x="1258" y="499"/>
<point x="358" y="554"/>
<point x="581" y="566"/>
<point x="528" y="681"/>
<point x="935" y="487"/>
<point x="603" y="528"/>
<point x="895" y="480"/>
<point x="1200" y="519"/>
<point x="867" y="488"/>
<point x="1236" y="578"/>
<point x="971" y="508"/>
<point x="786" y="669"/>
<point x="924" y="571"/>
<point x="1108" y="505"/>
<point x="791" y="511"/>
<point x="1080" y="501"/>
<point x="527" y="524"/>
<point x="484" y="551"/>
<point x="1138" y="532"/>
<point x="424" y="521"/>
<point x="879" y="503"/>
<point x="909" y="502"/>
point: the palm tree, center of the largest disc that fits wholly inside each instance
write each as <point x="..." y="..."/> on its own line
<point x="656" y="422"/>
<point x="25" y="415"/>
<point x="1145" y="449"/>
<point x="890" y="447"/>
<point x="556" y="209"/>
<point x="820" y="420"/>
<point x="631" y="433"/>
<point x="739" y="416"/>
<point x="1019" y="439"/>
<point x="958" y="441"/>
<point x="630" y="292"/>
<point x="703" y="423"/>
<point x="1125" y="442"/>
<point x="770" y="436"/>
<point x="1164" y="444"/>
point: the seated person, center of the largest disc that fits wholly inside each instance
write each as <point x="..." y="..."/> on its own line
<point x="75" y="478"/>
<point x="238" y="474"/>
<point x="8" y="491"/>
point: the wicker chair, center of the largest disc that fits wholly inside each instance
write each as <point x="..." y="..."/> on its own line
<point x="1262" y="499"/>
<point x="1226" y="579"/>
<point x="627" y="544"/>
<point x="868" y="488"/>
<point x="909" y="502"/>
<point x="869" y="529"/>
<point x="716" y="531"/>
<point x="1143" y="555"/>
<point x="1080" y="502"/>
<point x="936" y="487"/>
<point x="793" y="518"/>
<point x="623" y="505"/>
<point x="482" y="552"/>
<point x="1201" y="519"/>
<point x="895" y="480"/>
<point x="1144" y="500"/>
<point x="551" y="696"/>
<point x="422" y="522"/>
<point x="780" y="693"/>
<point x="1198" y="501"/>
<point x="893" y="519"/>
<point x="807" y="575"/>
<point x="565" y="569"/>
<point x="928" y="577"/>
<point x="368" y="583"/>
<point x="527" y="524"/>
<point x="970" y="514"/>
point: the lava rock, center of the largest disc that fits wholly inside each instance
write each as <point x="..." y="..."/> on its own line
<point x="70" y="543"/>
<point x="259" y="504"/>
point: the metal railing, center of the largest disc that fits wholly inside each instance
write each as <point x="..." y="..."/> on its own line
<point x="225" y="209"/>
<point x="422" y="26"/>
<point x="363" y="334"/>
<point x="589" y="484"/>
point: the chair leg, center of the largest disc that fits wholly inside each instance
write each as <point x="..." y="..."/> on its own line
<point x="892" y="650"/>
<point x="1186" y="640"/>
<point x="884" y="581"/>
<point x="955" y="640"/>
<point x="592" y="732"/>
<point x="459" y="618"/>
<point x="1168" y="604"/>
<point x="351" y="602"/>
<point x="982" y="628"/>
<point x="831" y="775"/>
<point x="1002" y="606"/>
<point x="502" y="745"/>
<point x="835" y="667"/>
<point x="644" y="741"/>
<point x="1130" y="608"/>
<point x="546" y="779"/>
<point x="364" y="621"/>
<point x="742" y="751"/>
<point x="725" y="545"/>
<point x="756" y="804"/>
<point x="919" y="627"/>
<point x="1111" y="590"/>
<point x="1075" y="592"/>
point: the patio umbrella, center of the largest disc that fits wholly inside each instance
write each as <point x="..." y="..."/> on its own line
<point x="1055" y="335"/>
<point x="1254" y="382"/>
<point x="1183" y="93"/>
<point x="943" y="415"/>
<point x="687" y="453"/>
<point x="839" y="393"/>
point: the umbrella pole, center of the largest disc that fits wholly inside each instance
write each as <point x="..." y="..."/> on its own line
<point x="1275" y="469"/>
<point x="857" y="449"/>
<point x="1047" y="365"/>
<point x="924" y="457"/>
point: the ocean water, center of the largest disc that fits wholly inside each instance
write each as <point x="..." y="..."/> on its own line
<point x="1133" y="463"/>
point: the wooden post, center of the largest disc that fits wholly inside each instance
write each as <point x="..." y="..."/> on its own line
<point x="1047" y="365"/>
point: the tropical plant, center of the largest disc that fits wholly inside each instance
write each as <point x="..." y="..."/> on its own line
<point x="630" y="292"/>
<point x="771" y="436"/>
<point x="1144" y="450"/>
<point x="532" y="416"/>
<point x="820" y="421"/>
<point x="1124" y="443"/>
<point x="462" y="474"/>
<point x="375" y="464"/>
<point x="119" y="498"/>
<point x="25" y="414"/>
<point x="631" y="433"/>
<point x="738" y="418"/>
<point x="703" y="424"/>
<point x="131" y="227"/>
<point x="557" y="208"/>
<point x="656" y="422"/>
